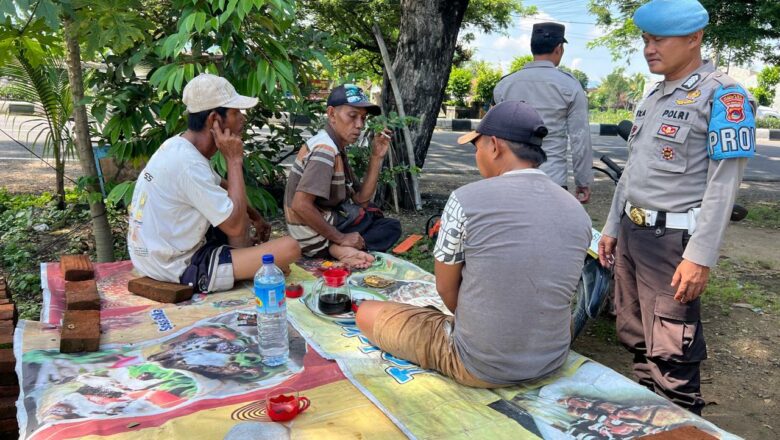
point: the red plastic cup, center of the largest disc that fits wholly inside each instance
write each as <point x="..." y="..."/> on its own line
<point x="283" y="404"/>
<point x="293" y="290"/>
<point x="335" y="277"/>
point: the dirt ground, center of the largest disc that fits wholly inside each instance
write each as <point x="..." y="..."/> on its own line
<point x="741" y="378"/>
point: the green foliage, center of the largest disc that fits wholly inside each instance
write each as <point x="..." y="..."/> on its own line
<point x="743" y="28"/>
<point x="762" y="95"/>
<point x="617" y="91"/>
<point x="459" y="85"/>
<point x="360" y="154"/>
<point x="768" y="123"/>
<point x="764" y="215"/>
<point x="44" y="83"/>
<point x="487" y="78"/>
<point x="421" y="254"/>
<point x="519" y="62"/>
<point x="768" y="79"/>
<point x="610" y="116"/>
<point x="581" y="76"/>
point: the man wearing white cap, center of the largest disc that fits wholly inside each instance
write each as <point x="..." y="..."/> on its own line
<point x="691" y="139"/>
<point x="187" y="225"/>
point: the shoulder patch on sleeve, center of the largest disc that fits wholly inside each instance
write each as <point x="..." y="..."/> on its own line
<point x="732" y="128"/>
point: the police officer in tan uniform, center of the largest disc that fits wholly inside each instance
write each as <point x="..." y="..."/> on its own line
<point x="560" y="101"/>
<point x="688" y="148"/>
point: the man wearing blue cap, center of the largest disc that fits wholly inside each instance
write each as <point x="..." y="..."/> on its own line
<point x="509" y="290"/>
<point x="691" y="139"/>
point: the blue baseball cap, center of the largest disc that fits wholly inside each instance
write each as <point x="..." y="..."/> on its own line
<point x="513" y="121"/>
<point x="352" y="95"/>
<point x="671" y="18"/>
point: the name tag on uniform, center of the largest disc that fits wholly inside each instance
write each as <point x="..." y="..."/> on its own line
<point x="732" y="129"/>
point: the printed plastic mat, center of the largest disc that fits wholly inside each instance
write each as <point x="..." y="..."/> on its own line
<point x="190" y="370"/>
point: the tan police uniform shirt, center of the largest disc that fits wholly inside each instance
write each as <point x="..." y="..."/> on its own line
<point x="668" y="167"/>
<point x="561" y="102"/>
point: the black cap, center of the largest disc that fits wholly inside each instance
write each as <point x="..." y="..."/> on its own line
<point x="352" y="95"/>
<point x="549" y="30"/>
<point x="513" y="121"/>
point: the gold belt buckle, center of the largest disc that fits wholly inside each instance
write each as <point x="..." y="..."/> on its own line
<point x="637" y="215"/>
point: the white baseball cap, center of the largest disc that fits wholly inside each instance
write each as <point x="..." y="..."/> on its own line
<point x="207" y="91"/>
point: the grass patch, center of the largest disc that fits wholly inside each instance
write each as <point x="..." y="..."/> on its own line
<point x="603" y="329"/>
<point x="421" y="254"/>
<point x="764" y="215"/>
<point x="732" y="283"/>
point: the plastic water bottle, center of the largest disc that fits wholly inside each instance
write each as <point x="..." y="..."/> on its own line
<point x="271" y="313"/>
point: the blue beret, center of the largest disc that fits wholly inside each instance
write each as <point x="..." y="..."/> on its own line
<point x="671" y="18"/>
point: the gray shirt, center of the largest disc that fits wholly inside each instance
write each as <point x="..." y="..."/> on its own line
<point x="522" y="239"/>
<point x="668" y="167"/>
<point x="563" y="106"/>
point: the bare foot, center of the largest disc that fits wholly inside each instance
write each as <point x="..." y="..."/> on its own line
<point x="354" y="258"/>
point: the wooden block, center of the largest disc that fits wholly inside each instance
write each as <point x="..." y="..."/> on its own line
<point x="7" y="363"/>
<point x="6" y="333"/>
<point x="82" y="295"/>
<point x="76" y="267"/>
<point x="682" y="433"/>
<point x="4" y="301"/>
<point x="7" y="407"/>
<point x="80" y="331"/>
<point x="160" y="291"/>
<point x="8" y="312"/>
<point x="9" y="429"/>
<point x="10" y="391"/>
<point x="407" y="244"/>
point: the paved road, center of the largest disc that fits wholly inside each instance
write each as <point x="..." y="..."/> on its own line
<point x="444" y="154"/>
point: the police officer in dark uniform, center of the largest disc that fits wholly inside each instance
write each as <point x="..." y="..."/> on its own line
<point x="691" y="139"/>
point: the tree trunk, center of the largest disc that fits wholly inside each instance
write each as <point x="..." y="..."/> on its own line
<point x="59" y="165"/>
<point x="104" y="241"/>
<point x="423" y="58"/>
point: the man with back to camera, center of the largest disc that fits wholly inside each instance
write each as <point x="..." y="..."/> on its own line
<point x="688" y="147"/>
<point x="562" y="104"/>
<point x="188" y="226"/>
<point x="510" y="291"/>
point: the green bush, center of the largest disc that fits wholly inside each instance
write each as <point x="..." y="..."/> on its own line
<point x="11" y="93"/>
<point x="459" y="85"/>
<point x="610" y="116"/>
<point x="768" y="123"/>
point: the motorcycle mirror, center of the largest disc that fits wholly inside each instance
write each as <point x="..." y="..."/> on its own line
<point x="624" y="129"/>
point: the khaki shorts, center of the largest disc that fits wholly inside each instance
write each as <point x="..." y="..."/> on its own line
<point x="423" y="336"/>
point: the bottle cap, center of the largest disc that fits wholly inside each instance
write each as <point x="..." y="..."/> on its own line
<point x="268" y="259"/>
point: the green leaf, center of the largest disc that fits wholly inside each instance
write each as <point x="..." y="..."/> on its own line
<point x="200" y="21"/>
<point x="160" y="76"/>
<point x="187" y="23"/>
<point x="122" y="192"/>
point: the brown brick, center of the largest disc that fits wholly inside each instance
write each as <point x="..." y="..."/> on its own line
<point x="4" y="301"/>
<point x="7" y="407"/>
<point x="76" y="267"/>
<point x="80" y="331"/>
<point x="9" y="429"/>
<point x="6" y="332"/>
<point x="160" y="291"/>
<point x="8" y="312"/>
<point x="7" y="362"/>
<point x="10" y="391"/>
<point x="3" y="284"/>
<point x="82" y="295"/>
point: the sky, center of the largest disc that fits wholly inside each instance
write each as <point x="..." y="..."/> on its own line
<point x="580" y="29"/>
